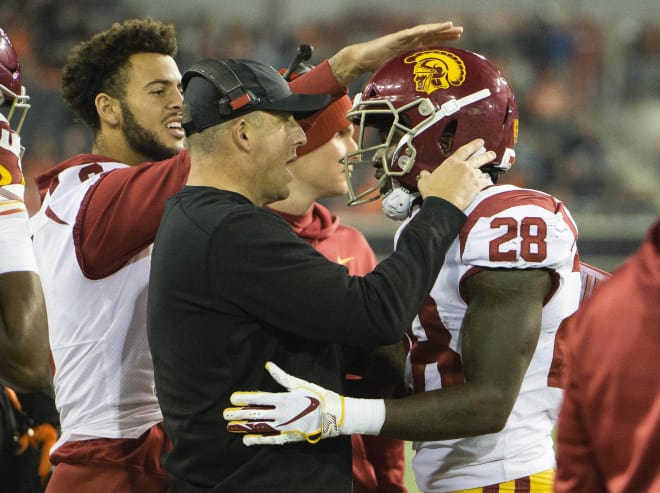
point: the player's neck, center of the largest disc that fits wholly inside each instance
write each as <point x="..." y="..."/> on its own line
<point x="117" y="149"/>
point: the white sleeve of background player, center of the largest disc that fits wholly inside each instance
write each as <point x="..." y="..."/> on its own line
<point x="73" y="185"/>
<point x="16" y="253"/>
<point x="521" y="236"/>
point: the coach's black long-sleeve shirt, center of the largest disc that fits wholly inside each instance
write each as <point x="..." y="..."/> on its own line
<point x="232" y="287"/>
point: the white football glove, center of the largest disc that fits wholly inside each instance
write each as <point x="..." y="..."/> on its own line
<point x="306" y="412"/>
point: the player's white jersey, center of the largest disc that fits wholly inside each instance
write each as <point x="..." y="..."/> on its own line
<point x="96" y="327"/>
<point x="514" y="228"/>
<point x="16" y="253"/>
<point x="11" y="178"/>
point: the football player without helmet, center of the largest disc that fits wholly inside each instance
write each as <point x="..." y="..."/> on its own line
<point x="425" y="119"/>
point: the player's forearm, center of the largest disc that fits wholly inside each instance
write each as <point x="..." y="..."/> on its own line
<point x="445" y="414"/>
<point x="319" y="80"/>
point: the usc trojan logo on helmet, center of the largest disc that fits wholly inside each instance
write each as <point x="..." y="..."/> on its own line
<point x="436" y="69"/>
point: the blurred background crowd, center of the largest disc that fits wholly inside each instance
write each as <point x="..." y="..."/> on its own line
<point x="586" y="75"/>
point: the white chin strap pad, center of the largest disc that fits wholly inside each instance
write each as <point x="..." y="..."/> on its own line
<point x="398" y="203"/>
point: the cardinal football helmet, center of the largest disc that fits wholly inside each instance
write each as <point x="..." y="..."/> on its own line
<point x="424" y="105"/>
<point x="12" y="92"/>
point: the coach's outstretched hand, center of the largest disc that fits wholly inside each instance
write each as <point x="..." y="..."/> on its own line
<point x="354" y="60"/>
<point x="305" y="412"/>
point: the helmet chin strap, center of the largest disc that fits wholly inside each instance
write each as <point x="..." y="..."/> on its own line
<point x="398" y="203"/>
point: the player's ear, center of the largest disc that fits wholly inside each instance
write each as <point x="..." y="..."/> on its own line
<point x="108" y="109"/>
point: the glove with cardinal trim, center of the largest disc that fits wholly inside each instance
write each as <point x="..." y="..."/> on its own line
<point x="305" y="412"/>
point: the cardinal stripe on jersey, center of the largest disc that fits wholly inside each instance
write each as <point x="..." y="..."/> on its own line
<point x="11" y="207"/>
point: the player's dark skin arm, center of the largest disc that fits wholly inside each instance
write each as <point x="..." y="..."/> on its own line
<point x="500" y="332"/>
<point x="24" y="349"/>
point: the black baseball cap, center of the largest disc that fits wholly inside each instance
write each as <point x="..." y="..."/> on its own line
<point x="217" y="91"/>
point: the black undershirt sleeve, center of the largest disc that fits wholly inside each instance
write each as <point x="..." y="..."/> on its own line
<point x="263" y="267"/>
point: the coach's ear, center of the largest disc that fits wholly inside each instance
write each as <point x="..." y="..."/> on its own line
<point x="241" y="135"/>
<point x="108" y="109"/>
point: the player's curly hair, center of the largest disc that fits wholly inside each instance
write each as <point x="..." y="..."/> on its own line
<point x="97" y="65"/>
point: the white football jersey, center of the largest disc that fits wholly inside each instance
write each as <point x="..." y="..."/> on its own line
<point x="513" y="228"/>
<point x="103" y="370"/>
<point x="16" y="253"/>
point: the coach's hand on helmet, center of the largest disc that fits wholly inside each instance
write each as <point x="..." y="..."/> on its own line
<point x="458" y="179"/>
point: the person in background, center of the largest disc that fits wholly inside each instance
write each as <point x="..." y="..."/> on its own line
<point x="378" y="462"/>
<point x="608" y="434"/>
<point x="481" y="346"/>
<point x="93" y="236"/>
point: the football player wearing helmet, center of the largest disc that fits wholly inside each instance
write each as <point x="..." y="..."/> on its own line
<point x="481" y="346"/>
<point x="93" y="236"/>
<point x="422" y="122"/>
<point x="24" y="355"/>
